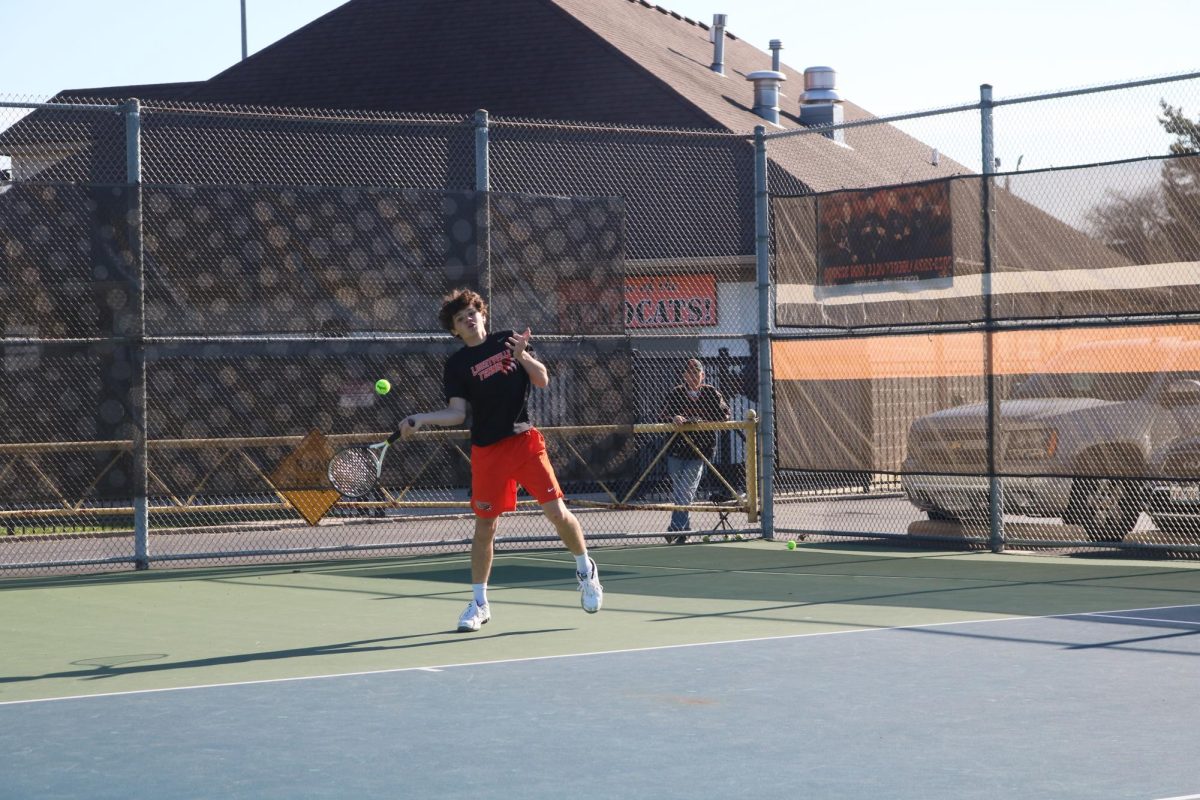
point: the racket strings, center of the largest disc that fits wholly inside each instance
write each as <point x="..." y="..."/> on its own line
<point x="353" y="472"/>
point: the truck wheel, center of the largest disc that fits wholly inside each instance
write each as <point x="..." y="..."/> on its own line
<point x="1106" y="508"/>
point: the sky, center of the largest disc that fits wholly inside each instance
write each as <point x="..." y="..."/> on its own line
<point x="891" y="57"/>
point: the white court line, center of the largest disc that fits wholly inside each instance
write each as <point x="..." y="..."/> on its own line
<point x="1195" y="623"/>
<point x="1130" y="614"/>
<point x="441" y="667"/>
<point x="1182" y="797"/>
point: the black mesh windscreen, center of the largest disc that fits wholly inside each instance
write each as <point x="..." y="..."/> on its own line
<point x="66" y="267"/>
<point x="331" y="275"/>
<point x="209" y="400"/>
<point x="189" y="145"/>
<point x="688" y="194"/>
<point x="590" y="384"/>
<point x="251" y="260"/>
<point x="209" y="397"/>
<point x="558" y="265"/>
<point x="67" y="422"/>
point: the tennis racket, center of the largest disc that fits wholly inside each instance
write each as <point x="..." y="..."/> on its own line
<point x="354" y="470"/>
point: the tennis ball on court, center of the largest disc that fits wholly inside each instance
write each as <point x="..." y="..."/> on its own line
<point x="383" y="386"/>
<point x="791" y="545"/>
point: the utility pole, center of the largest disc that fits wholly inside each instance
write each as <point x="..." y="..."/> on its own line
<point x="243" y="30"/>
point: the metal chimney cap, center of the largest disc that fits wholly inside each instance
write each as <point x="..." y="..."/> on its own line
<point x="820" y="78"/>
<point x="766" y="74"/>
<point x="776" y="47"/>
<point x="820" y="85"/>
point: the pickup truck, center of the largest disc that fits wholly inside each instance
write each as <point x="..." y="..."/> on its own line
<point x="1071" y="444"/>
<point x="1175" y="492"/>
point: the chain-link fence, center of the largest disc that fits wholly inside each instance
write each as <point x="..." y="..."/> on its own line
<point x="198" y="301"/>
<point x="1006" y="358"/>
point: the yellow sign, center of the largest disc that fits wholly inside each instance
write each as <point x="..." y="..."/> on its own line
<point x="302" y="477"/>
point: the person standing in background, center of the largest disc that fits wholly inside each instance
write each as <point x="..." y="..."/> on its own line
<point x="692" y="400"/>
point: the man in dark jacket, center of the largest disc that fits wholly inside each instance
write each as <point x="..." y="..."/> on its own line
<point x="693" y="400"/>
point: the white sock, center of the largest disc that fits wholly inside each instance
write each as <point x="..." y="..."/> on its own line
<point x="583" y="564"/>
<point x="480" y="591"/>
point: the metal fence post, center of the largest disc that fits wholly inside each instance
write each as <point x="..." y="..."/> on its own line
<point x="483" y="182"/>
<point x="762" y="258"/>
<point x="137" y="335"/>
<point x="995" y="486"/>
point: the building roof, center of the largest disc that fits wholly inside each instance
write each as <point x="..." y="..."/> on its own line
<point x="621" y="62"/>
<point x="518" y="58"/>
<point x="607" y="61"/>
<point x="142" y="91"/>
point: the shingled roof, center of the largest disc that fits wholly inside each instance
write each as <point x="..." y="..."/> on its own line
<point x="142" y="91"/>
<point x="518" y="58"/>
<point x="607" y="61"/>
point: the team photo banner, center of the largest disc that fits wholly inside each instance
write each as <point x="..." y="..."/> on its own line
<point x="894" y="234"/>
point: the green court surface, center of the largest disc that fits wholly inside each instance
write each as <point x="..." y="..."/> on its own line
<point x="86" y="635"/>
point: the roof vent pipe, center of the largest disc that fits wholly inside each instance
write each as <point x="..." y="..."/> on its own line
<point x="717" y="35"/>
<point x="776" y="46"/>
<point x="821" y="104"/>
<point x="766" y="93"/>
<point x="820" y="86"/>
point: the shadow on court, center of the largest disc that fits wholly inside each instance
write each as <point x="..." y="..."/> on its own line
<point x="866" y="671"/>
<point x="109" y="669"/>
<point x="231" y="625"/>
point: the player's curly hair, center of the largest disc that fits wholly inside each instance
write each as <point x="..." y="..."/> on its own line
<point x="455" y="302"/>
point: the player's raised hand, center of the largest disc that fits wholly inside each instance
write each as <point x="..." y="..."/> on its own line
<point x="518" y="342"/>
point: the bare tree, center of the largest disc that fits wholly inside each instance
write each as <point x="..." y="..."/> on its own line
<point x="1161" y="224"/>
<point x="1181" y="183"/>
<point x="1132" y="225"/>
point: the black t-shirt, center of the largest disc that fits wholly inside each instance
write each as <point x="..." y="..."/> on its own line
<point x="495" y="385"/>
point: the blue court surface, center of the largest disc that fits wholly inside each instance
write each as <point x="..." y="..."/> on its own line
<point x="955" y="690"/>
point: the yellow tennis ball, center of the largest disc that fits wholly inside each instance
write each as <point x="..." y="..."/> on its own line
<point x="383" y="386"/>
<point x="791" y="545"/>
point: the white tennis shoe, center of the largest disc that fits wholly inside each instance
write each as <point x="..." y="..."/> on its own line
<point x="591" y="593"/>
<point x="474" y="617"/>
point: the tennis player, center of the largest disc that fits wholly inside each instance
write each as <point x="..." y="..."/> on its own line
<point x="493" y="373"/>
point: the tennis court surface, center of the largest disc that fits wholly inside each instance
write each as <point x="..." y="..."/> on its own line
<point x="721" y="670"/>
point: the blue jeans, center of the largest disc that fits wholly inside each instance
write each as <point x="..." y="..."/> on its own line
<point x="685" y="480"/>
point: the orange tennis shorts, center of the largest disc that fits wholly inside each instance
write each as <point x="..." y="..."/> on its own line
<point x="496" y="469"/>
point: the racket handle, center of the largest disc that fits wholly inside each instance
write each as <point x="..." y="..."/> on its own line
<point x="396" y="435"/>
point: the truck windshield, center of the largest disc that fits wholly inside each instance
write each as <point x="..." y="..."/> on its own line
<point x="1119" y="386"/>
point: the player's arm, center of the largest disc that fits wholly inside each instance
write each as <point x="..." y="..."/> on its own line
<point x="518" y="343"/>
<point x="453" y="414"/>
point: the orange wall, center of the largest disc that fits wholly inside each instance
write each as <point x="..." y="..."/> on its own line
<point x="1122" y="349"/>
